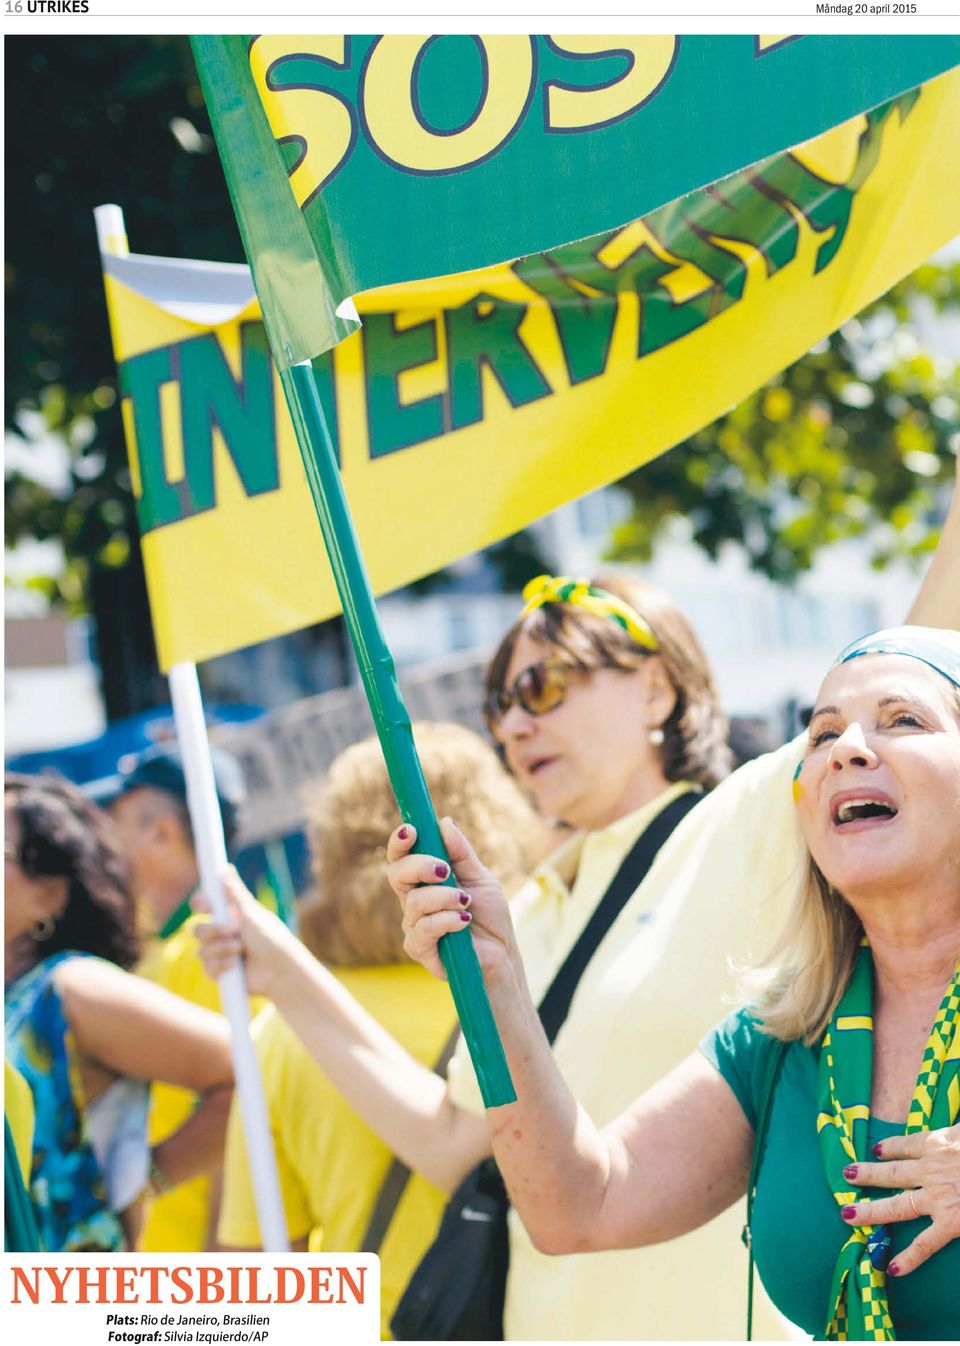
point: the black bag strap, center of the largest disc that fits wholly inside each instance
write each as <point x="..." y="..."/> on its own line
<point x="555" y="1005"/>
<point x="398" y="1174"/>
<point x="771" y="1074"/>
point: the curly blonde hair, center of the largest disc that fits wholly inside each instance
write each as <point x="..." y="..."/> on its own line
<point x="352" y="918"/>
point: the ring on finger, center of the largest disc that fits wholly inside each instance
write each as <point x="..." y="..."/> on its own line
<point x="917" y="1212"/>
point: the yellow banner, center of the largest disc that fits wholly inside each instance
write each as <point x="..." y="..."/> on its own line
<point x="466" y="408"/>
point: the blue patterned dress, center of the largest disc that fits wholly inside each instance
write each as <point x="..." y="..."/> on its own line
<point x="66" y="1185"/>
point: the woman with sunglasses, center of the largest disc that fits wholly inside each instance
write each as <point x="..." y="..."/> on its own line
<point x="604" y="708"/>
<point x="87" y="1035"/>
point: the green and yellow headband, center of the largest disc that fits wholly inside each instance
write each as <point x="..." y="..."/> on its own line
<point x="582" y="594"/>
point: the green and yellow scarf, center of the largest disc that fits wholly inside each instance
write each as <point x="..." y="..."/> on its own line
<point x="858" y="1308"/>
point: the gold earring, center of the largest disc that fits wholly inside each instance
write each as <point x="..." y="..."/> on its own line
<point x="43" y="929"/>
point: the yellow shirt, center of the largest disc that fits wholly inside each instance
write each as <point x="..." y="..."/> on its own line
<point x="331" y="1164"/>
<point x="177" y="1221"/>
<point x="18" y="1109"/>
<point x="661" y="977"/>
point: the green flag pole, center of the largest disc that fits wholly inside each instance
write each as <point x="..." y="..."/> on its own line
<point x="391" y="717"/>
<point x="300" y="316"/>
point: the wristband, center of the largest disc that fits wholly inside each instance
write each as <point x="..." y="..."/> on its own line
<point x="157" y="1184"/>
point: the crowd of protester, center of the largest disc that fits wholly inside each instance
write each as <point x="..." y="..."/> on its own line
<point x="642" y="875"/>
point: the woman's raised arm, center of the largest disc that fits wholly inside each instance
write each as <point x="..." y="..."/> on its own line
<point x="128" y="1026"/>
<point x="404" y="1102"/>
<point x="672" y="1161"/>
<point x="938" y="600"/>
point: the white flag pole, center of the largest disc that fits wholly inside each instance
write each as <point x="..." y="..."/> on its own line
<point x="207" y="826"/>
<point x="211" y="849"/>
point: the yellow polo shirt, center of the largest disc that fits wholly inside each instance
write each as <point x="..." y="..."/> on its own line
<point x="18" y="1110"/>
<point x="717" y="891"/>
<point x="331" y="1164"/>
<point x="179" y="1220"/>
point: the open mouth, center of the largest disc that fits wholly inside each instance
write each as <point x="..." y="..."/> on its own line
<point x="861" y="810"/>
<point x="539" y="765"/>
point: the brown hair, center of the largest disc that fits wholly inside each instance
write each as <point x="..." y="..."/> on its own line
<point x="695" y="734"/>
<point x="352" y="919"/>
<point x="64" y="835"/>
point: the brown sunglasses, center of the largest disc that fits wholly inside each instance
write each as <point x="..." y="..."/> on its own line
<point x="539" y="688"/>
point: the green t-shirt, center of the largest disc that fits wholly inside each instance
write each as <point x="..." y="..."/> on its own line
<point x="797" y="1229"/>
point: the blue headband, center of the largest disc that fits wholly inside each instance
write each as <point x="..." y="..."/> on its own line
<point x="940" y="649"/>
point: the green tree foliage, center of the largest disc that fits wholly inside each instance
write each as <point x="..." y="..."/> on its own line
<point x="852" y="440"/>
<point x="105" y="119"/>
<point x="98" y="119"/>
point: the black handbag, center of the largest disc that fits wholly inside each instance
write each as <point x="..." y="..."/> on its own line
<point x="457" y="1291"/>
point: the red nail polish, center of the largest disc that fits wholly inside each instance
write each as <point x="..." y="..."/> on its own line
<point x="848" y="1212"/>
<point x="893" y="1269"/>
<point x="850" y="1172"/>
<point x="464" y="899"/>
<point x="465" y="916"/>
<point x="403" y="834"/>
<point x="441" y="871"/>
<point x="877" y="1150"/>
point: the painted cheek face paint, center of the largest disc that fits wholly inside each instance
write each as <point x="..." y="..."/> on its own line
<point x="797" y="787"/>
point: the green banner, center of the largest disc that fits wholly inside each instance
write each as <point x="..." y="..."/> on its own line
<point x="494" y="396"/>
<point x="395" y="158"/>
